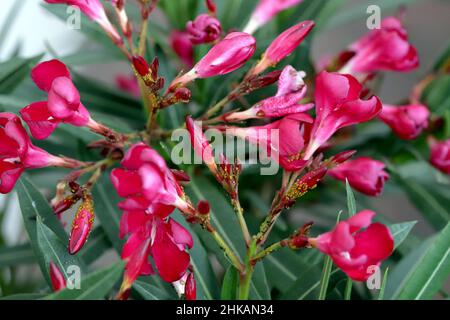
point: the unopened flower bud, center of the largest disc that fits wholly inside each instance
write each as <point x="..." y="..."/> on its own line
<point x="190" y="289"/>
<point x="211" y="6"/>
<point x="203" y="207"/>
<point x="304" y="184"/>
<point x="284" y="45"/>
<point x="182" y="95"/>
<point x="204" y="29"/>
<point x="181" y="176"/>
<point x="143" y="69"/>
<point x="81" y="225"/>
<point x="340" y="158"/>
<point x="56" y="277"/>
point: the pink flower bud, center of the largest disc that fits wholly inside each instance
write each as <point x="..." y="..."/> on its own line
<point x="364" y="174"/>
<point x="211" y="6"/>
<point x="141" y="66"/>
<point x="226" y="56"/>
<point x="355" y="250"/>
<point x="81" y="225"/>
<point x="340" y="158"/>
<point x="190" y="289"/>
<point x="284" y="45"/>
<point x="407" y="122"/>
<point x="182" y="46"/>
<point x="440" y="155"/>
<point x="56" y="277"/>
<point x="204" y="29"/>
<point x="266" y="10"/>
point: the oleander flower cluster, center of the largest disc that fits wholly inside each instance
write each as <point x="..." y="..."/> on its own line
<point x="300" y="124"/>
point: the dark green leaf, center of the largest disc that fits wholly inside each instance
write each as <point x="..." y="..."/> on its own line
<point x="230" y="284"/>
<point x="400" y="231"/>
<point x="150" y="292"/>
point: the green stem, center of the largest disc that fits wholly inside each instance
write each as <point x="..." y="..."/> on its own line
<point x="348" y="289"/>
<point x="246" y="276"/>
<point x="325" y="279"/>
<point x="230" y="254"/>
<point x="273" y="247"/>
<point x="240" y="216"/>
<point x="216" y="108"/>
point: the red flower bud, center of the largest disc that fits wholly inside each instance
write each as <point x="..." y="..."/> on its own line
<point x="211" y="6"/>
<point x="81" y="225"/>
<point x="190" y="289"/>
<point x="56" y="277"/>
<point x="203" y="207"/>
<point x="141" y="66"/>
<point x="181" y="175"/>
<point x="340" y="158"/>
<point x="182" y="94"/>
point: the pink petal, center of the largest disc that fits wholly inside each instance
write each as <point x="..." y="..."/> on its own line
<point x="9" y="174"/>
<point x="63" y="98"/>
<point x="45" y="72"/>
<point x="179" y="234"/>
<point x="376" y="242"/>
<point x="125" y="182"/>
<point x="39" y="120"/>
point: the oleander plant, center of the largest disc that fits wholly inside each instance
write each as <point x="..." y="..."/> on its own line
<point x="133" y="192"/>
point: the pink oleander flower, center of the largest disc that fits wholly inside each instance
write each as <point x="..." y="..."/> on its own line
<point x="356" y="251"/>
<point x="190" y="289"/>
<point x="407" y="122"/>
<point x="95" y="11"/>
<point x="283" y="45"/>
<point x="182" y="46"/>
<point x="63" y="104"/>
<point x="128" y="84"/>
<point x="284" y="139"/>
<point x="81" y="225"/>
<point x="164" y="239"/>
<point x="338" y="104"/>
<point x="204" y="29"/>
<point x="17" y="153"/>
<point x="56" y="277"/>
<point x="147" y="183"/>
<point x="385" y="49"/>
<point x="364" y="174"/>
<point x="291" y="89"/>
<point x="440" y="155"/>
<point x="266" y="10"/>
<point x="224" y="57"/>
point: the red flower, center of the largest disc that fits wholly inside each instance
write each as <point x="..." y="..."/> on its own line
<point x="284" y="45"/>
<point x="440" y="155"/>
<point x="354" y="250"/>
<point x="364" y="174"/>
<point x="291" y="89"/>
<point x="152" y="193"/>
<point x="384" y="49"/>
<point x="147" y="183"/>
<point x="204" y="29"/>
<point x="63" y="103"/>
<point x="17" y="153"/>
<point x="266" y="10"/>
<point x="56" y="277"/>
<point x="407" y="122"/>
<point x="95" y="11"/>
<point x="338" y="104"/>
<point x="182" y="46"/>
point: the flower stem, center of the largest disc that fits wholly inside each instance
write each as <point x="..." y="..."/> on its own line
<point x="230" y="254"/>
<point x="240" y="216"/>
<point x="246" y="276"/>
<point x="273" y="247"/>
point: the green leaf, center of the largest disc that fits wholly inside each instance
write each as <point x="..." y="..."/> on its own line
<point x="435" y="95"/>
<point x="383" y="284"/>
<point x="443" y="60"/>
<point x="9" y="21"/>
<point x="94" y="286"/>
<point x="324" y="280"/>
<point x="230" y="284"/>
<point x="105" y="207"/>
<point x="150" y="292"/>
<point x="24" y="296"/>
<point x="53" y="250"/>
<point x="13" y="256"/>
<point x="426" y="198"/>
<point x="430" y="272"/>
<point x="97" y="244"/>
<point x="400" y="231"/>
<point x="34" y="206"/>
<point x="14" y="71"/>
<point x="351" y="203"/>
